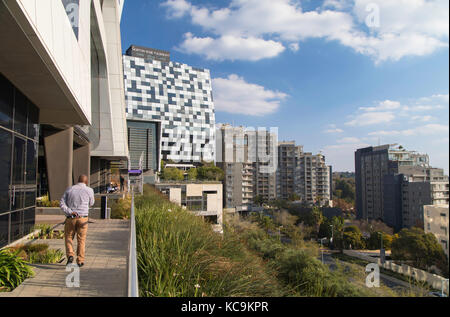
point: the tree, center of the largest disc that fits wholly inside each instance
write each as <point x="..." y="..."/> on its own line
<point x="374" y="241"/>
<point x="420" y="249"/>
<point x="258" y="200"/>
<point x="314" y="219"/>
<point x="192" y="174"/>
<point x="210" y="173"/>
<point x="172" y="174"/>
<point x="353" y="237"/>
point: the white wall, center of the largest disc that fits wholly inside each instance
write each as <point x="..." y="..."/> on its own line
<point x="71" y="57"/>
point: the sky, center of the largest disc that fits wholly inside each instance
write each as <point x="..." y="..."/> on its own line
<point x="333" y="75"/>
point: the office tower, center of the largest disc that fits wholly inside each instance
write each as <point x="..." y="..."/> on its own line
<point x="61" y="102"/>
<point x="393" y="184"/>
<point x="177" y="96"/>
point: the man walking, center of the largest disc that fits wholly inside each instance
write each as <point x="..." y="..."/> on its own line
<point x="75" y="203"/>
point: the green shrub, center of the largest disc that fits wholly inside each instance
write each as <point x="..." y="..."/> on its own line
<point x="45" y="202"/>
<point x="180" y="255"/>
<point x="46" y="257"/>
<point x="13" y="270"/>
<point x="38" y="253"/>
<point x="121" y="208"/>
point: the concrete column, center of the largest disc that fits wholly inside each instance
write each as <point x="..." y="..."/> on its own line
<point x="95" y="174"/>
<point x="59" y="159"/>
<point x="81" y="162"/>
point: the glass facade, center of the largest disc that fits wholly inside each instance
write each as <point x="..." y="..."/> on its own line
<point x="19" y="135"/>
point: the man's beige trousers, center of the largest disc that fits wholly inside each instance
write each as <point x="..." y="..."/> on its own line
<point x="79" y="227"/>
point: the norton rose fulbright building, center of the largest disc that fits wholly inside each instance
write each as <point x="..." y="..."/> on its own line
<point x="62" y="103"/>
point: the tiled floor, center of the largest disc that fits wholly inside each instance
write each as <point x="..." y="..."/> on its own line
<point x="103" y="275"/>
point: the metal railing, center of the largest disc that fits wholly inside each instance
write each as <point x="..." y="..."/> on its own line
<point x="133" y="283"/>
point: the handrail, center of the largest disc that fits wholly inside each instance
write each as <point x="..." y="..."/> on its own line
<point x="133" y="283"/>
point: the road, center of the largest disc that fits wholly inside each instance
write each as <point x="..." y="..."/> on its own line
<point x="391" y="282"/>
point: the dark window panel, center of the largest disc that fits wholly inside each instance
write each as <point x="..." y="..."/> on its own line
<point x="5" y="169"/>
<point x="33" y="121"/>
<point x="16" y="225"/>
<point x="28" y="220"/>
<point x="6" y="102"/>
<point x="20" y="112"/>
<point x="4" y="227"/>
<point x="32" y="157"/>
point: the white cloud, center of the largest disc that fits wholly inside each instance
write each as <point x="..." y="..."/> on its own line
<point x="371" y="118"/>
<point x="336" y="130"/>
<point x="231" y="47"/>
<point x="429" y="129"/>
<point x="407" y="27"/>
<point x="177" y="8"/>
<point x="294" y="47"/>
<point x="423" y="118"/>
<point x="235" y="95"/>
<point x="383" y="106"/>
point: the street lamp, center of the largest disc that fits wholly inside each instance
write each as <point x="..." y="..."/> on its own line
<point x="382" y="253"/>
<point x="321" y="247"/>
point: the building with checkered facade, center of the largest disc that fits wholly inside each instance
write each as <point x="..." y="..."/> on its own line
<point x="177" y="96"/>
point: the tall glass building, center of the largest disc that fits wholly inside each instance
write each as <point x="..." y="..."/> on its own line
<point x="176" y="95"/>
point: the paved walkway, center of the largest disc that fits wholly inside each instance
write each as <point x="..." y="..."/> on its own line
<point x="103" y="275"/>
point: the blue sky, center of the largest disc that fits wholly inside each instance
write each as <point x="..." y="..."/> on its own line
<point x="331" y="75"/>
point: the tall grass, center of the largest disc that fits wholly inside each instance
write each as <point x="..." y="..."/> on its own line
<point x="179" y="255"/>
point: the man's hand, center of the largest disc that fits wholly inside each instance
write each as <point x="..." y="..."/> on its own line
<point x="74" y="214"/>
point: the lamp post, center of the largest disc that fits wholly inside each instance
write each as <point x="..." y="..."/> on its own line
<point x="332" y="234"/>
<point x="321" y="247"/>
<point x="382" y="253"/>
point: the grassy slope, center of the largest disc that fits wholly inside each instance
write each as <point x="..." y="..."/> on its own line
<point x="179" y="255"/>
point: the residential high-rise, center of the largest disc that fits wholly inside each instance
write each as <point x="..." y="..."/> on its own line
<point x="249" y="160"/>
<point x="61" y="102"/>
<point x="314" y="179"/>
<point x="232" y="158"/>
<point x="177" y="96"/>
<point x="302" y="174"/>
<point x="393" y="185"/>
<point x="436" y="222"/>
<point x="263" y="153"/>
<point x="287" y="174"/>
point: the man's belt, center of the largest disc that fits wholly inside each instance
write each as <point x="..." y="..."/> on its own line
<point x="77" y="217"/>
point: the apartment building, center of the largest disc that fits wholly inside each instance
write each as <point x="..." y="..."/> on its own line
<point x="263" y="143"/>
<point x="436" y="222"/>
<point x="178" y="97"/>
<point x="314" y="179"/>
<point x="232" y="157"/>
<point x="303" y="174"/>
<point x="204" y="199"/>
<point x="61" y="102"/>
<point x="287" y="174"/>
